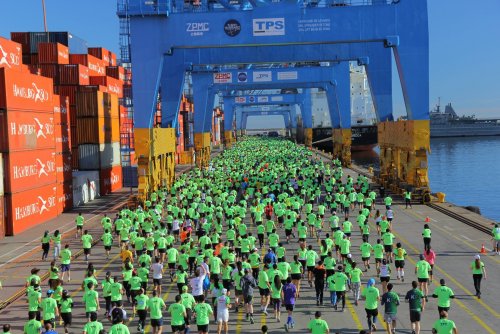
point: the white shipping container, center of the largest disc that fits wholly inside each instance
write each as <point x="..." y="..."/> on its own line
<point x="85" y="187"/>
<point x="1" y="175"/>
<point x="94" y="156"/>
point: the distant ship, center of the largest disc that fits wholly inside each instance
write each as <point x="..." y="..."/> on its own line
<point x="448" y="124"/>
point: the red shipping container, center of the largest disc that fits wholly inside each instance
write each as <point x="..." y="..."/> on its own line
<point x="113" y="85"/>
<point x="26" y="130"/>
<point x="25" y="91"/>
<point x="28" y="170"/>
<point x="110" y="179"/>
<point x="10" y="54"/>
<point x="23" y="38"/>
<point x="100" y="53"/>
<point x="74" y="74"/>
<point x="93" y="88"/>
<point x="75" y="159"/>
<point x="97" y="67"/>
<point x="64" y="169"/>
<point x="73" y="136"/>
<point x="68" y="91"/>
<point x="49" y="71"/>
<point x="116" y="72"/>
<point x="53" y="53"/>
<point x="62" y="138"/>
<point x="30" y="208"/>
<point x="64" y="194"/>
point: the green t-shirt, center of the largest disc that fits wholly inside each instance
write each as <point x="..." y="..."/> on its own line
<point x="477" y="271"/>
<point x="115" y="289"/>
<point x="378" y="251"/>
<point x="331" y="283"/>
<point x="66" y="305"/>
<point x="444" y="294"/>
<point x="356" y="275"/>
<point x="347" y="226"/>
<point x="33" y="298"/>
<point x="119" y="329"/>
<point x="263" y="279"/>
<point x="311" y="257"/>
<point x="275" y="292"/>
<point x="296" y="267"/>
<point x="141" y="301"/>
<point x="93" y="327"/>
<point x="90" y="300"/>
<point x="371" y="295"/>
<point x="399" y="254"/>
<point x="203" y="312"/>
<point x="155" y="306"/>
<point x="79" y="220"/>
<point x="423" y="268"/>
<point x="318" y="326"/>
<point x="188" y="300"/>
<point x="32" y="327"/>
<point x="426" y="233"/>
<point x="177" y="311"/>
<point x="444" y="326"/>
<point x="391" y="302"/>
<point x="366" y="249"/>
<point x="49" y="306"/>
<point x="65" y="256"/>
<point x="340" y="280"/>
<point x="388" y="238"/>
<point x="414" y="297"/>
<point x="107" y="239"/>
<point x="87" y="241"/>
<point x="135" y="283"/>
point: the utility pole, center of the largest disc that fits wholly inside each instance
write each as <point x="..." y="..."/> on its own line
<point x="44" y="16"/>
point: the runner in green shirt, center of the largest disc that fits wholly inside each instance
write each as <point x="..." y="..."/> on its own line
<point x="65" y="307"/>
<point x="94" y="326"/>
<point x="203" y="312"/>
<point x="391" y="301"/>
<point x="107" y="241"/>
<point x="355" y="274"/>
<point x="444" y="295"/>
<point x="372" y="297"/>
<point x="478" y="269"/>
<point x="318" y="325"/>
<point x="366" y="250"/>
<point x="340" y="285"/>
<point x="178" y="314"/>
<point x="79" y="225"/>
<point x="444" y="325"/>
<point x="49" y="308"/>
<point x="422" y="269"/>
<point x="32" y="326"/>
<point x="91" y="300"/>
<point x="416" y="300"/>
<point x="66" y="262"/>
<point x="399" y="261"/>
<point x="155" y="305"/>
<point x="87" y="244"/>
<point x="141" y="302"/>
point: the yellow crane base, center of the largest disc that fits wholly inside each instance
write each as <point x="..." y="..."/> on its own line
<point x="228" y="138"/>
<point x="342" y="145"/>
<point x="404" y="146"/>
<point x="155" y="151"/>
<point x="308" y="137"/>
<point x="202" y="148"/>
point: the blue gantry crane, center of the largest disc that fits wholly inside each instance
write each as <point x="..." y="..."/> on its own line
<point x="171" y="38"/>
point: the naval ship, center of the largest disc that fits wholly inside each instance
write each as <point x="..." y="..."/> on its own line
<point x="448" y="124"/>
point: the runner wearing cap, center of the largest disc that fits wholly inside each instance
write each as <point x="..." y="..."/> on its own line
<point x="65" y="308"/>
<point x="49" y="308"/>
<point x="223" y="305"/>
<point x="478" y="273"/>
<point x="372" y="297"/>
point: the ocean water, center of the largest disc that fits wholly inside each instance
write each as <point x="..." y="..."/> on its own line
<point x="467" y="170"/>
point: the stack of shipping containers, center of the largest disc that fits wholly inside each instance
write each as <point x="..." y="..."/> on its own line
<point x="44" y="77"/>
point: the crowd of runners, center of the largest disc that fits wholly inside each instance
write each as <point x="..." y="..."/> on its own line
<point x="266" y="221"/>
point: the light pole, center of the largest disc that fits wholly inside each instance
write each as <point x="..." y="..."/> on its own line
<point x="44" y="16"/>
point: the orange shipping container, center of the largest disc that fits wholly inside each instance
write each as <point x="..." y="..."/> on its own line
<point x="68" y="91"/>
<point x="97" y="67"/>
<point x="28" y="170"/>
<point x="25" y="91"/>
<point x="10" y="54"/>
<point x="30" y="208"/>
<point x="26" y="130"/>
<point x="64" y="192"/>
<point x="64" y="169"/>
<point x="97" y="130"/>
<point x="114" y="86"/>
<point x="110" y="179"/>
<point x="112" y="59"/>
<point x="53" y="53"/>
<point x="74" y="74"/>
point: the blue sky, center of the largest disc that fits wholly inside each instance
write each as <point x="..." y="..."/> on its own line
<point x="464" y="43"/>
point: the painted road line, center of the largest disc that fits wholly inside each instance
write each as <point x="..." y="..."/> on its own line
<point x="354" y="314"/>
<point x="448" y="228"/>
<point x="465" y="237"/>
<point x="487" y="307"/>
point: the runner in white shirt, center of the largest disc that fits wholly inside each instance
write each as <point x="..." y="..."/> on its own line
<point x="176" y="228"/>
<point x="196" y="284"/>
<point x="157" y="268"/>
<point x="223" y="306"/>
